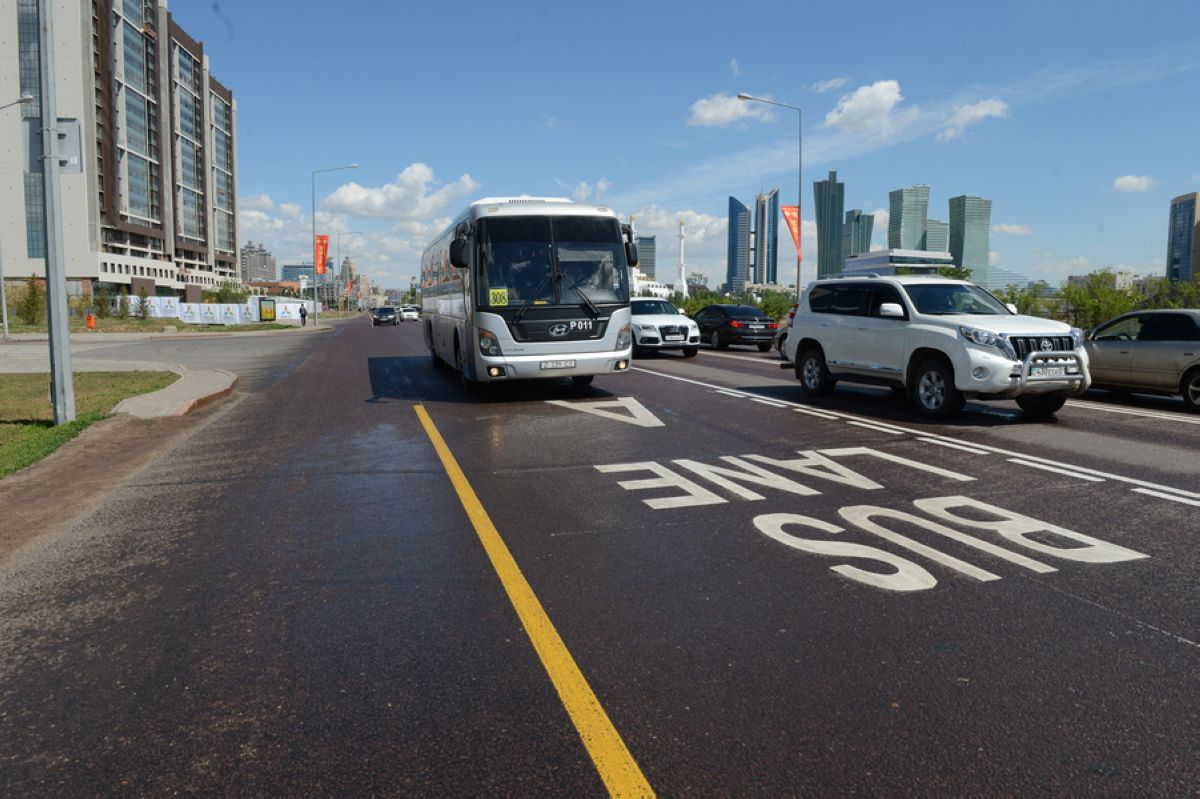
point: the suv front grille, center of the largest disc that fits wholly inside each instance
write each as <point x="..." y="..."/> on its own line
<point x="1027" y="344"/>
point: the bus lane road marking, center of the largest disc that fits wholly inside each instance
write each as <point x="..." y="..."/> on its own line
<point x="1082" y="472"/>
<point x="619" y="771"/>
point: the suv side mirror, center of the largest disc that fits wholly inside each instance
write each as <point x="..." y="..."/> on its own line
<point x="891" y="310"/>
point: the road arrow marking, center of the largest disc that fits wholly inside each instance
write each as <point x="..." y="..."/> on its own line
<point x="622" y="409"/>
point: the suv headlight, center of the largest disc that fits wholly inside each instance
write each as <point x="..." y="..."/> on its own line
<point x="986" y="338"/>
<point x="1077" y="337"/>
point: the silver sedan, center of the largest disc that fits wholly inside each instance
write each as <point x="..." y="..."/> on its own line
<point x="1156" y="352"/>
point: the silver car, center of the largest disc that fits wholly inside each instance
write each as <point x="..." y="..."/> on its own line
<point x="1156" y="352"/>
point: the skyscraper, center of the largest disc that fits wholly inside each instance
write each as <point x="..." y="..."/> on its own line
<point x="766" y="237"/>
<point x="647" y="247"/>
<point x="1183" y="238"/>
<point x="856" y="233"/>
<point x="258" y="264"/>
<point x="737" y="268"/>
<point x="937" y="236"/>
<point x="906" y="226"/>
<point x="970" y="226"/>
<point x="830" y="201"/>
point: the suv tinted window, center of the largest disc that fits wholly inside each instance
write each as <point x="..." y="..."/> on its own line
<point x="848" y="300"/>
<point x="1168" y="327"/>
<point x="880" y="295"/>
<point x="820" y="299"/>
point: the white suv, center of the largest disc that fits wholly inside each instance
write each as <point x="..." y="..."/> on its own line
<point x="941" y="341"/>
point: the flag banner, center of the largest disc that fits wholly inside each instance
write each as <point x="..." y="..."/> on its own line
<point x="321" y="245"/>
<point x="792" y="214"/>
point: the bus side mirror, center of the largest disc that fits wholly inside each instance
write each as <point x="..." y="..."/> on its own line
<point x="631" y="254"/>
<point x="458" y="253"/>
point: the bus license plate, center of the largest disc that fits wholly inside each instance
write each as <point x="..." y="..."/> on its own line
<point x="1049" y="371"/>
<point x="558" y="364"/>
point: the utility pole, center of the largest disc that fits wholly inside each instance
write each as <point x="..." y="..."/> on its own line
<point x="62" y="387"/>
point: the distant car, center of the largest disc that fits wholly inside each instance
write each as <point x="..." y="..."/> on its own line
<point x="409" y="313"/>
<point x="781" y="336"/>
<point x="384" y="315"/>
<point x="722" y="325"/>
<point x="1156" y="352"/>
<point x="659" y="325"/>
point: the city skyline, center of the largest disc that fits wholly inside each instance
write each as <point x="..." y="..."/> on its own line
<point x="1055" y="138"/>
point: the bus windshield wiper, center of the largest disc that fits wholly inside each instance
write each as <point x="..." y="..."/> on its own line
<point x="529" y="302"/>
<point x="591" y="306"/>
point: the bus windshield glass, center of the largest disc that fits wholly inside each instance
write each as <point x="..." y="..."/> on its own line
<point x="557" y="260"/>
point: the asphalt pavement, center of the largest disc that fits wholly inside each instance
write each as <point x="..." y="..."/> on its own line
<point x="196" y="387"/>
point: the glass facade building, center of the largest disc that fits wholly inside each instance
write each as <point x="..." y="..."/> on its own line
<point x="909" y="209"/>
<point x="937" y="236"/>
<point x="1183" y="238"/>
<point x="766" y="237"/>
<point x="737" y="267"/>
<point x="970" y="229"/>
<point x="856" y="233"/>
<point x="647" y="247"/>
<point x="830" y="199"/>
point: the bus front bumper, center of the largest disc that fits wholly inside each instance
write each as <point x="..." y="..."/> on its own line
<point x="540" y="367"/>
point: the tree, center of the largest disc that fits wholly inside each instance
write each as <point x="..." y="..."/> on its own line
<point x="143" y="308"/>
<point x="228" y="292"/>
<point x="1031" y="300"/>
<point x="32" y="301"/>
<point x="103" y="302"/>
<point x="123" y="304"/>
<point x="1095" y="298"/>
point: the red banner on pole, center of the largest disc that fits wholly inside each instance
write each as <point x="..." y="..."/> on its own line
<point x="320" y="252"/>
<point x="792" y="214"/>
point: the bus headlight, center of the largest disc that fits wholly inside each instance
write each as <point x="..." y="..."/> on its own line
<point x="623" y="337"/>
<point x="489" y="344"/>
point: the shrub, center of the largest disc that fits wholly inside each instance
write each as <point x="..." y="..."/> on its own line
<point x="32" y="301"/>
<point x="123" y="304"/>
<point x="143" y="308"/>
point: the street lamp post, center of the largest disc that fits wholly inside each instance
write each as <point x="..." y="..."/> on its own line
<point x="316" y="312"/>
<point x="799" y="171"/>
<point x="24" y="99"/>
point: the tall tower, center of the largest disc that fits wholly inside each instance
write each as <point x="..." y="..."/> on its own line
<point x="906" y="226"/>
<point x="856" y="232"/>
<point x="970" y="225"/>
<point x="766" y="237"/>
<point x="1183" y="238"/>
<point x="681" y="285"/>
<point x="830" y="201"/>
<point x="737" y="267"/>
<point x="937" y="236"/>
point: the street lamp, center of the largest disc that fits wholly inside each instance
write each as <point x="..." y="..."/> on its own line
<point x="799" y="170"/>
<point x="24" y="99"/>
<point x="316" y="312"/>
<point x="338" y="254"/>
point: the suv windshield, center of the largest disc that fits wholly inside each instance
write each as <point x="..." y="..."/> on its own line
<point x="953" y="298"/>
<point x="562" y="260"/>
<point x="652" y="307"/>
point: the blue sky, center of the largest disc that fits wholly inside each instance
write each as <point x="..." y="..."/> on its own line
<point x="1079" y="120"/>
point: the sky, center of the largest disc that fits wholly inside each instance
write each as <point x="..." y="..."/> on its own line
<point x="1078" y="120"/>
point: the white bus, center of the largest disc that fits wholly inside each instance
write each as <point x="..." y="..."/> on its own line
<point x="522" y="288"/>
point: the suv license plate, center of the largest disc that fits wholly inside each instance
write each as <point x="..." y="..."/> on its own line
<point x="1049" y="371"/>
<point x="557" y="364"/>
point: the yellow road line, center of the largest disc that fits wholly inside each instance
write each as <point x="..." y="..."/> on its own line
<point x="616" y="766"/>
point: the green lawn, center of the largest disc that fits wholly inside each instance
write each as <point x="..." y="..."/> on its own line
<point x="27" y="430"/>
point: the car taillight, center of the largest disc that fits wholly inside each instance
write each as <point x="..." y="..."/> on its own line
<point x="773" y="326"/>
<point x="734" y="323"/>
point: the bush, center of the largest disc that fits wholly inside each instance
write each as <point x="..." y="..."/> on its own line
<point x="123" y="304"/>
<point x="143" y="308"/>
<point x="103" y="302"/>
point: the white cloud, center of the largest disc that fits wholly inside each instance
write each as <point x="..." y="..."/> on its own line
<point x="409" y="196"/>
<point x="872" y="111"/>
<point x="1012" y="230"/>
<point x="833" y="84"/>
<point x="1133" y="183"/>
<point x="705" y="248"/>
<point x="972" y="114"/>
<point x="879" y="229"/>
<point x="722" y="109"/>
<point x="256" y="202"/>
<point x="993" y="258"/>
<point x="550" y="122"/>
<point x="584" y="191"/>
<point x="734" y="69"/>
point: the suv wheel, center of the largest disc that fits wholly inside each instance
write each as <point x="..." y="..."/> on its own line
<point x="813" y="374"/>
<point x="1190" y="388"/>
<point x="690" y="352"/>
<point x="1041" y="406"/>
<point x="933" y="390"/>
<point x="715" y="342"/>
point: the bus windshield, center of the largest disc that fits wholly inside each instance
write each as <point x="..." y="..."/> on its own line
<point x="551" y="260"/>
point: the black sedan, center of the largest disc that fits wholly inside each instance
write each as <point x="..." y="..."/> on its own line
<point x="725" y="324"/>
<point x="1156" y="352"/>
<point x="384" y="315"/>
